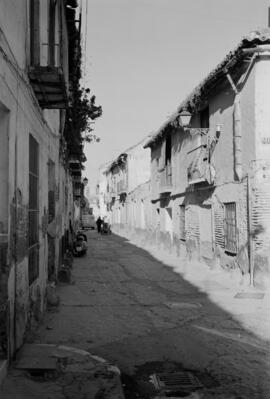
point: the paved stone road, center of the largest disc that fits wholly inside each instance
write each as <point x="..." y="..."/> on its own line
<point x="132" y="309"/>
<point x="129" y="308"/>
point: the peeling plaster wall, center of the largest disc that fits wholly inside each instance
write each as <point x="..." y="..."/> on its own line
<point x="260" y="175"/>
<point x="24" y="304"/>
<point x="138" y="167"/>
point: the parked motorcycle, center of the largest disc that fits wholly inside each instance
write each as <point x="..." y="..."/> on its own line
<point x="105" y="228"/>
<point x="79" y="245"/>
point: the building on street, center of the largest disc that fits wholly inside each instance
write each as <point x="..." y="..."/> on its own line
<point x="128" y="192"/>
<point x="210" y="179"/>
<point x="37" y="207"/>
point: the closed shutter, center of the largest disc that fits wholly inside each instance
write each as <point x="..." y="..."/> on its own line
<point x="230" y="227"/>
<point x="162" y="159"/>
<point x="182" y="222"/>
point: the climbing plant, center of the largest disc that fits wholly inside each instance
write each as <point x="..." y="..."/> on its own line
<point x="82" y="110"/>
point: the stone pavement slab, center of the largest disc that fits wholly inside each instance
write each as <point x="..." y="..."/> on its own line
<point x="47" y="371"/>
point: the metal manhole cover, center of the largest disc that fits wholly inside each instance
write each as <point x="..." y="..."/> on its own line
<point x="183" y="380"/>
<point x="249" y="295"/>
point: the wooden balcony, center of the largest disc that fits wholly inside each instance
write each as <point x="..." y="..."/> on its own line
<point x="49" y="85"/>
<point x="74" y="164"/>
<point x="200" y="169"/>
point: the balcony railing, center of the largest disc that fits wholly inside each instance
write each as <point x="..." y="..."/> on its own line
<point x="74" y="164"/>
<point x="166" y="180"/>
<point x="49" y="85"/>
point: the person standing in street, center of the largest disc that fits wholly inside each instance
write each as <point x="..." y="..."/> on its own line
<point x="99" y="223"/>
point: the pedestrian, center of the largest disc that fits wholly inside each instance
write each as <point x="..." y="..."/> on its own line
<point x="99" y="223"/>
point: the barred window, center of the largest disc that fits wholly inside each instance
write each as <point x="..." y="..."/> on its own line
<point x="33" y="213"/>
<point x="230" y="227"/>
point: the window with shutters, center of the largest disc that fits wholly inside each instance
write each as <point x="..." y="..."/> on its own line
<point x="198" y="164"/>
<point x="33" y="212"/>
<point x="182" y="219"/>
<point x="34" y="33"/>
<point x="230" y="228"/>
<point x="166" y="171"/>
<point x="200" y="168"/>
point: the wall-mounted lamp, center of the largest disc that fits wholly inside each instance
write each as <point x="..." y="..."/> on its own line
<point x="184" y="120"/>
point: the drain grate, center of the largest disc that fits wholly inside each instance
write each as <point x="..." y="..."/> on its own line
<point x="249" y="295"/>
<point x="183" y="380"/>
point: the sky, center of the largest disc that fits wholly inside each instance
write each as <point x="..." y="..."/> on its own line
<point x="143" y="57"/>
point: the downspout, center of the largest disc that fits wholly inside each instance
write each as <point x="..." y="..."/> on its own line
<point x="237" y="138"/>
<point x="250" y="235"/>
<point x="237" y="134"/>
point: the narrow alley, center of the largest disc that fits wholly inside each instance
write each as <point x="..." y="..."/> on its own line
<point x="135" y="311"/>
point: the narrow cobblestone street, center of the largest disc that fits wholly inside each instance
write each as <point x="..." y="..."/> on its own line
<point x="133" y="310"/>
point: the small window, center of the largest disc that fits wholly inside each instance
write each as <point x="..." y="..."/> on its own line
<point x="34" y="33"/>
<point x="230" y="227"/>
<point x="168" y="150"/>
<point x="182" y="222"/>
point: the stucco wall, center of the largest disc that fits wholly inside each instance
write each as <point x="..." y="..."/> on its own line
<point x="138" y="167"/>
<point x="24" y="303"/>
<point x="14" y="24"/>
<point x="260" y="175"/>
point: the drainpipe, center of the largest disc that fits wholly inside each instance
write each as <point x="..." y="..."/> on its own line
<point x="237" y="138"/>
<point x="237" y="134"/>
<point x="250" y="235"/>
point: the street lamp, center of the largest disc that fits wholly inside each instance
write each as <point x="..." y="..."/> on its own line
<point x="184" y="118"/>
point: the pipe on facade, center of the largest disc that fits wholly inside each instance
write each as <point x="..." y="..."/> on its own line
<point x="237" y="138"/>
<point x="250" y="235"/>
<point x="237" y="134"/>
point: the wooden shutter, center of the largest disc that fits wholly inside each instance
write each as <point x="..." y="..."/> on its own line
<point x="230" y="227"/>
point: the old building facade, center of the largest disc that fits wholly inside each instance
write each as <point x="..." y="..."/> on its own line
<point x="36" y="186"/>
<point x="128" y="192"/>
<point x="210" y="179"/>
